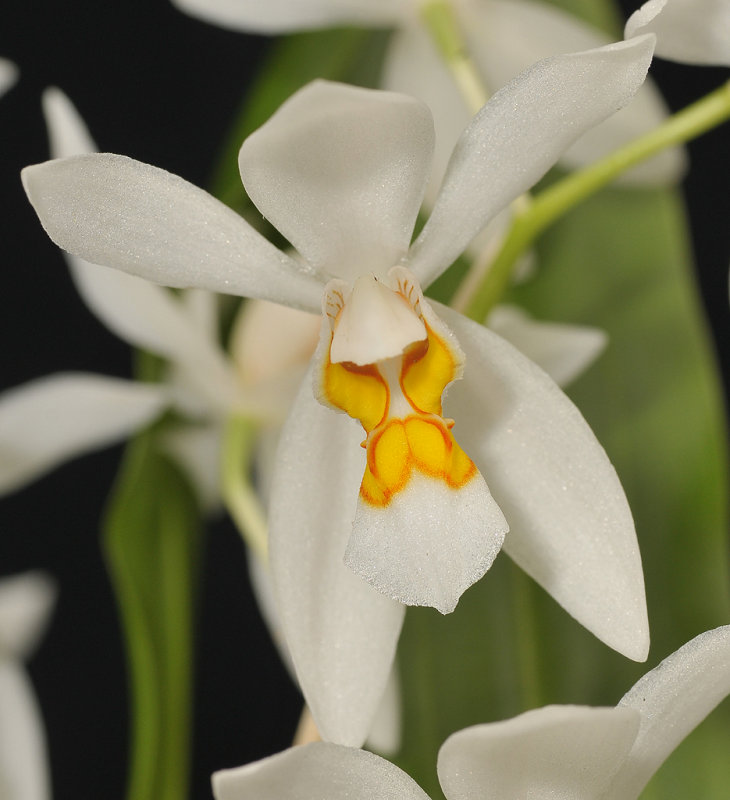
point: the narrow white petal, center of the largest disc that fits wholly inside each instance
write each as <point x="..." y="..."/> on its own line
<point x="673" y="699"/>
<point x="143" y="314"/>
<point x="385" y="734"/>
<point x="25" y="607"/>
<point x="563" y="351"/>
<point x="8" y="75"/>
<point x="323" y="771"/>
<point x="197" y="450"/>
<point x="518" y="135"/>
<point x="341" y="632"/>
<point x="50" y="420"/>
<point x="430" y="543"/>
<point x="690" y="31"/>
<point x="551" y="753"/>
<point x="67" y="132"/>
<point x="287" y="16"/>
<point x="341" y="172"/>
<point x="112" y="210"/>
<point x="23" y="757"/>
<point x="508" y="36"/>
<point x="570" y="525"/>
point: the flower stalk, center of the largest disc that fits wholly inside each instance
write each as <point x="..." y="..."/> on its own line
<point x="441" y="23"/>
<point x="238" y="494"/>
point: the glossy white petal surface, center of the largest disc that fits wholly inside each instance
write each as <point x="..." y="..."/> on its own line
<point x="320" y="771"/>
<point x="341" y="171"/>
<point x="23" y="757"/>
<point x="430" y="543"/>
<point x="112" y="210"/>
<point x="518" y="135"/>
<point x="286" y="16"/>
<point x="563" y="351"/>
<point x="26" y="601"/>
<point x="386" y="733"/>
<point x="690" y="31"/>
<point x="570" y="525"/>
<point x="673" y="699"/>
<point x="341" y="632"/>
<point x="50" y="420"/>
<point x="551" y="753"/>
<point x="8" y="75"/>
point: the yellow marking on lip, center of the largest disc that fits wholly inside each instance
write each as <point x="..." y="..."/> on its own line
<point x="401" y="446"/>
<point x="420" y="440"/>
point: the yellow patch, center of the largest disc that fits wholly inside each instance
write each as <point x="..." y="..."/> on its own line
<point x="397" y="446"/>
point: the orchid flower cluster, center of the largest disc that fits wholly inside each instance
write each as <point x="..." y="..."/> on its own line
<point x="381" y="416"/>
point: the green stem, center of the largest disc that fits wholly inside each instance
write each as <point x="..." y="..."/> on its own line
<point x="238" y="495"/>
<point x="526" y="640"/>
<point x="552" y="203"/>
<point x="441" y="23"/>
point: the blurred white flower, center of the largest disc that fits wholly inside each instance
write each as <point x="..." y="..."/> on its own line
<point x="25" y="606"/>
<point x="550" y="753"/>
<point x="341" y="172"/>
<point x="504" y="37"/>
<point x="8" y="75"/>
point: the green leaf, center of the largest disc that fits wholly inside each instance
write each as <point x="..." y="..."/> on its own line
<point x="349" y="55"/>
<point x="152" y="547"/>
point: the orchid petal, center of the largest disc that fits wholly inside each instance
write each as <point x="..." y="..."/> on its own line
<point x="269" y="340"/>
<point x="139" y="312"/>
<point x="8" y="75"/>
<point x="53" y="419"/>
<point x="67" y="131"/>
<point x="563" y="351"/>
<point x="26" y="601"/>
<point x="690" y="31"/>
<point x="413" y="66"/>
<point x="570" y="525"/>
<point x="341" y="632"/>
<point x="518" y="135"/>
<point x="430" y="543"/>
<point x="385" y="734"/>
<point x="507" y="36"/>
<point x="23" y="757"/>
<point x="341" y="172"/>
<point x="287" y="16"/>
<point x="197" y="449"/>
<point x="550" y="753"/>
<point x="321" y="770"/>
<point x="121" y="213"/>
<point x="673" y="699"/>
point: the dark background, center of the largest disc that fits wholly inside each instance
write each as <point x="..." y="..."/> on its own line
<point x="163" y="88"/>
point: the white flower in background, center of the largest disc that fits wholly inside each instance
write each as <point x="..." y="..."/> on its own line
<point x="688" y="31"/>
<point x="341" y="172"/>
<point x="55" y="418"/>
<point x="25" y="605"/>
<point x="551" y="753"/>
<point x="8" y="75"/>
<point x="504" y="37"/>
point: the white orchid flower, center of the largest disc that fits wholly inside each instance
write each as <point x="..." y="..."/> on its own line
<point x="550" y="753"/>
<point x="340" y="171"/>
<point x="8" y="75"/>
<point x="25" y="605"/>
<point x="688" y="31"/>
<point x="504" y="37"/>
